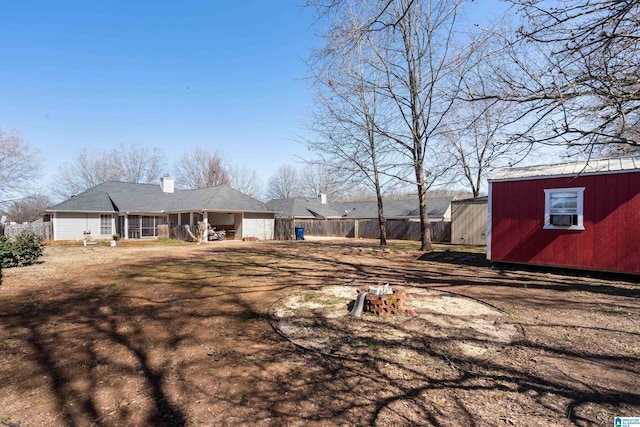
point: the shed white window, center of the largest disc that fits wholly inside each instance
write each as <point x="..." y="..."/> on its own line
<point x="564" y="208"/>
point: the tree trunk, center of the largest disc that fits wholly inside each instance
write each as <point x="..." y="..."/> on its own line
<point x="381" y="219"/>
<point x="425" y="230"/>
<point x="376" y="181"/>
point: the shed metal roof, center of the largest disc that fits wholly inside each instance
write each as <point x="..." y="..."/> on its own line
<point x="582" y="167"/>
<point x="471" y="201"/>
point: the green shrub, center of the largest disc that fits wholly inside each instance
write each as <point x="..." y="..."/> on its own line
<point x="25" y="250"/>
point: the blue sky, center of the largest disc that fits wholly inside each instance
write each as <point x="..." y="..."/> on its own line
<point x="224" y="75"/>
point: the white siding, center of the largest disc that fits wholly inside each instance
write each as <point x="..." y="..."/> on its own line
<point x="71" y="226"/>
<point x="258" y="225"/>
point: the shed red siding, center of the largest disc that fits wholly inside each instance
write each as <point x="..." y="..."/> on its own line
<point x="610" y="240"/>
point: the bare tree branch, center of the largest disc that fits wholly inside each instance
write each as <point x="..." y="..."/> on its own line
<point x="576" y="63"/>
<point x="29" y="208"/>
<point x="85" y="171"/>
<point x="18" y="165"/>
<point x="139" y="164"/>
<point x="200" y="169"/>
<point x="284" y="183"/>
<point x="125" y="163"/>
<point x="246" y="181"/>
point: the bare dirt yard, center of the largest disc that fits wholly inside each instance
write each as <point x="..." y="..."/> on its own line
<point x="239" y="333"/>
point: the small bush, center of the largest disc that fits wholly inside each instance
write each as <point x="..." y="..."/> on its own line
<point x="25" y="250"/>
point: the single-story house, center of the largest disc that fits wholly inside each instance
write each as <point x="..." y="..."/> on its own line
<point x="438" y="208"/>
<point x="469" y="221"/>
<point x="582" y="215"/>
<point x="359" y="219"/>
<point x="135" y="210"/>
<point x="304" y="208"/>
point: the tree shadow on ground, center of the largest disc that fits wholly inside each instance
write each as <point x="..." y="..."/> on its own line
<point x="470" y="259"/>
<point x="410" y="389"/>
<point x="187" y="340"/>
<point x="87" y="344"/>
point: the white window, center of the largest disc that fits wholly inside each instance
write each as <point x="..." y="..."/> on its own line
<point x="563" y="208"/>
<point x="105" y="225"/>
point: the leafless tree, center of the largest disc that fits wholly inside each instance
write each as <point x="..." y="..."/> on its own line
<point x="246" y="181"/>
<point x="343" y="125"/>
<point x="360" y="193"/>
<point x="323" y="178"/>
<point x="139" y="164"/>
<point x="477" y="131"/>
<point x="200" y="169"/>
<point x="124" y="163"/>
<point x="29" y="208"/>
<point x="85" y="171"/>
<point x="574" y="65"/>
<point x="422" y="66"/>
<point x="18" y="165"/>
<point x="284" y="183"/>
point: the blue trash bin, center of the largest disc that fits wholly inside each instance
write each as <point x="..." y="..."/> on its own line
<point x="299" y="233"/>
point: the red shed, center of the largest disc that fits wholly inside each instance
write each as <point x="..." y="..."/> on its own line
<point x="582" y="215"/>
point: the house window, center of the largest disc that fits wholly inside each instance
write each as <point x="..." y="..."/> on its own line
<point x="105" y="224"/>
<point x="563" y="208"/>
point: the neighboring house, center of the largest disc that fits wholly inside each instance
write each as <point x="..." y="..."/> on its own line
<point x="469" y="221"/>
<point x="438" y="209"/>
<point x="304" y="208"/>
<point x="582" y="215"/>
<point x="359" y="219"/>
<point x="135" y="211"/>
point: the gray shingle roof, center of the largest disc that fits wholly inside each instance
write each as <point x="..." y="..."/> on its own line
<point x="403" y="208"/>
<point x="312" y="208"/>
<point x="300" y="207"/>
<point x="115" y="196"/>
<point x="98" y="201"/>
<point x="583" y="167"/>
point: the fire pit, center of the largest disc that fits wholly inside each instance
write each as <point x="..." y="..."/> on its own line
<point x="315" y="319"/>
<point x="383" y="301"/>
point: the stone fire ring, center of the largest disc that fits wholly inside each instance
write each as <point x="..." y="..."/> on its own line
<point x="442" y="323"/>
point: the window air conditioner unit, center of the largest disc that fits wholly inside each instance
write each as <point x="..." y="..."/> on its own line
<point x="562" y="220"/>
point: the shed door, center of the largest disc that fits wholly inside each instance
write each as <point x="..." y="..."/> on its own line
<point x="258" y="225"/>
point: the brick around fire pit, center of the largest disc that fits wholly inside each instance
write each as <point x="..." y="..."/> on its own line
<point x="385" y="305"/>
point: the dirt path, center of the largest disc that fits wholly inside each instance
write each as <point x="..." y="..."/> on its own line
<point x="157" y="334"/>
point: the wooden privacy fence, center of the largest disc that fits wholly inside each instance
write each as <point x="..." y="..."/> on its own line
<point x="336" y="228"/>
<point x="396" y="229"/>
<point x="43" y="229"/>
